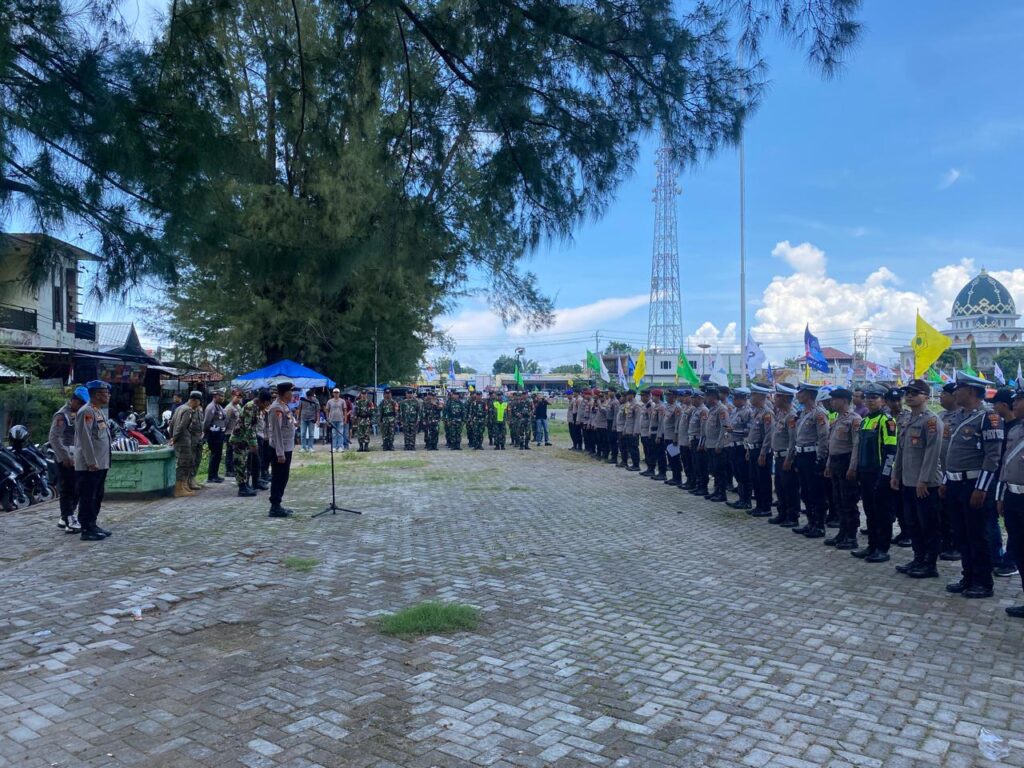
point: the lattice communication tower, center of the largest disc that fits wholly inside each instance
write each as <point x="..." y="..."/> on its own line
<point x="665" y="321"/>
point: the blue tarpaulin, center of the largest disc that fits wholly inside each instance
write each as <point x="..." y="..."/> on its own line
<point x="283" y="370"/>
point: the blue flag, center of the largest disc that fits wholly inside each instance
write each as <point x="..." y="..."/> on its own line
<point x="451" y="370"/>
<point x="812" y="352"/>
<point x="771" y="376"/>
<point x="630" y="367"/>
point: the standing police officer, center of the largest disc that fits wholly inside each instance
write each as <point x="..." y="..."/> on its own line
<point x="781" y="446"/>
<point x="92" y="459"/>
<point x="62" y="441"/>
<point x="281" y="435"/>
<point x="972" y="463"/>
<point x="843" y="445"/>
<point x="737" y="427"/>
<point x="759" y="473"/>
<point x="809" y="453"/>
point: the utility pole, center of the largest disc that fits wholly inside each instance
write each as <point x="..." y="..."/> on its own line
<point x="743" y="275"/>
<point x="375" y="365"/>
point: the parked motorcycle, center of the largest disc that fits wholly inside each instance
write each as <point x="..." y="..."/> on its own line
<point x="12" y="492"/>
<point x="35" y="469"/>
<point x="148" y="428"/>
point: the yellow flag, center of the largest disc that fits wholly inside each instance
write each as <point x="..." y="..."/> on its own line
<point x="928" y="345"/>
<point x="640" y="369"/>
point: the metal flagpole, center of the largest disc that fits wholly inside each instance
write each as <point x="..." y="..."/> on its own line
<point x="743" y="274"/>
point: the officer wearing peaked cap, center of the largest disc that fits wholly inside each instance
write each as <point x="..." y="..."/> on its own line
<point x="1010" y="492"/>
<point x="758" y="465"/>
<point x="972" y="464"/>
<point x="809" y="453"/>
<point x="737" y="427"/>
<point x="783" y="441"/>
<point x="695" y="434"/>
<point x="951" y="416"/>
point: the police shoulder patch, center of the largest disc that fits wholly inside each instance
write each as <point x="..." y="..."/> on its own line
<point x="791" y="421"/>
<point x="767" y="418"/>
<point x="933" y="425"/>
<point x="820" y="418"/>
<point x="994" y="419"/>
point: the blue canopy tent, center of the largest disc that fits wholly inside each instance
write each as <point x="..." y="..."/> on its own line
<point x="283" y="370"/>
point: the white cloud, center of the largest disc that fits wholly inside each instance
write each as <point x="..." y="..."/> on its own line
<point x="949" y="178"/>
<point x="721" y="340"/>
<point x="879" y="303"/>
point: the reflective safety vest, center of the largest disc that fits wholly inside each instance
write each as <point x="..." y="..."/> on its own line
<point x="499" y="411"/>
<point x="876" y="440"/>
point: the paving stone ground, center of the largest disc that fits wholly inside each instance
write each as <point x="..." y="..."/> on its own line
<point x="625" y="623"/>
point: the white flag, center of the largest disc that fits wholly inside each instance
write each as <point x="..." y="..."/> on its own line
<point x="885" y="373"/>
<point x="621" y="373"/>
<point x="1020" y="377"/>
<point x="755" y="356"/>
<point x="998" y="373"/>
<point x="869" y="373"/>
<point x="604" y="369"/>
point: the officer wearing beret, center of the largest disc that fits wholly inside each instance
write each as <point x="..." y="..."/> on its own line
<point x="92" y="459"/>
<point x="971" y="468"/>
<point x="281" y="436"/>
<point x="714" y="441"/>
<point x="683" y="436"/>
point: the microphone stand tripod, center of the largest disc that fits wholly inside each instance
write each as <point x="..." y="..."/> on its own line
<point x="333" y="507"/>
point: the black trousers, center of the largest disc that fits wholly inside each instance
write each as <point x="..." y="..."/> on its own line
<point x="675" y="464"/>
<point x="971" y="530"/>
<point x="67" y="486"/>
<point x="787" y="488"/>
<point x="216" y="442"/>
<point x="588" y="439"/>
<point x="686" y="456"/>
<point x="602" y="441"/>
<point x="812" y="488"/>
<point x="741" y="471"/>
<point x="877" y="500"/>
<point x="648" y="443"/>
<point x="1013" y="516"/>
<point x="660" y="457"/>
<point x="700" y="466"/>
<point x="949" y="542"/>
<point x="633" y="441"/>
<point x="90" y="496"/>
<point x="922" y="517"/>
<point x="279" y="472"/>
<point x="760" y="478"/>
<point x="845" y="495"/>
<point x="266" y="455"/>
<point x="719" y="462"/>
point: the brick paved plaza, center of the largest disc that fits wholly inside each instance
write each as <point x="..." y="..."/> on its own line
<point x="624" y="624"/>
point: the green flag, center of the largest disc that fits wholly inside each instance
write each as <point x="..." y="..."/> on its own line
<point x="969" y="370"/>
<point x="519" y="377"/>
<point x="593" y="362"/>
<point x="685" y="371"/>
<point x="933" y="376"/>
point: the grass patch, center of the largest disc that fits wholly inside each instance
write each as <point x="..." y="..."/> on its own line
<point x="405" y="464"/>
<point x="431" y="618"/>
<point x="301" y="564"/>
<point x="517" y="488"/>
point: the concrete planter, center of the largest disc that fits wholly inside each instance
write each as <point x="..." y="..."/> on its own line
<point x="147" y="473"/>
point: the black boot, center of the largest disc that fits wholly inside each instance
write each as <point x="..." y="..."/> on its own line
<point x="245" y="490"/>
<point x="276" y="510"/>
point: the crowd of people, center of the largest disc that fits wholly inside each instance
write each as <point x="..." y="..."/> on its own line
<point x="945" y="477"/>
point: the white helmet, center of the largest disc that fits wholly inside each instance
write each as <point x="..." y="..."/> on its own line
<point x="166" y="415"/>
<point x="825" y="393"/>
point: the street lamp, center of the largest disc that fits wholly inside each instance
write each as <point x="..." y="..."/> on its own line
<point x="704" y="347"/>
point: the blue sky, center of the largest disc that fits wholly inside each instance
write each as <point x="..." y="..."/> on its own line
<point x="868" y="196"/>
<point x="893" y="174"/>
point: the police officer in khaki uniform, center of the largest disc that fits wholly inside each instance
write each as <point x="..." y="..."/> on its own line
<point x="714" y="440"/>
<point x="92" y="459"/>
<point x="737" y="427"/>
<point x="843" y="446"/>
<point x="630" y="453"/>
<point x="698" y="416"/>
<point x="916" y="476"/>
<point x="759" y="470"/>
<point x="951" y="416"/>
<point x="810" y="454"/>
<point x="779" y="448"/>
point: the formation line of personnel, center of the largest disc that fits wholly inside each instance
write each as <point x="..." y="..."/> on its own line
<point x="822" y="453"/>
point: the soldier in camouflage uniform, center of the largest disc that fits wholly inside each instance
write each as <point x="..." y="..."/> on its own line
<point x="410" y="411"/>
<point x="454" y="415"/>
<point x="181" y="439"/>
<point x="489" y="417"/>
<point x="520" y="413"/>
<point x="244" y="444"/>
<point x="363" y="415"/>
<point x="387" y="415"/>
<point x="196" y="430"/>
<point x="476" y="421"/>
<point x="431" y="418"/>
